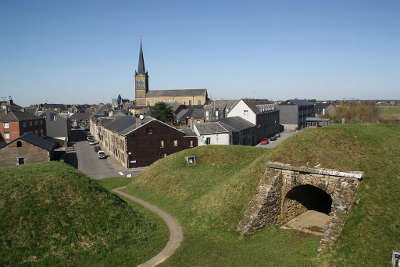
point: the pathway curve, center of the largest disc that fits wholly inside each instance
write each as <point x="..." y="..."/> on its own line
<point x="174" y="227"/>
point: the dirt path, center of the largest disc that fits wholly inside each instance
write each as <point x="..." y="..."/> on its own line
<point x="174" y="227"/>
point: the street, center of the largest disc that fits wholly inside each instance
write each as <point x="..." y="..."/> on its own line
<point x="272" y="144"/>
<point x="85" y="159"/>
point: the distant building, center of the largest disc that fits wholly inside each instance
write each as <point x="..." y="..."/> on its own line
<point x="28" y="148"/>
<point x="145" y="97"/>
<point x="14" y="124"/>
<point x="189" y="116"/>
<point x="294" y="113"/>
<point x="212" y="133"/>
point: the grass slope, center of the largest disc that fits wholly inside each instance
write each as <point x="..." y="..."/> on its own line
<point x="52" y="214"/>
<point x="209" y="198"/>
<point x="373" y="227"/>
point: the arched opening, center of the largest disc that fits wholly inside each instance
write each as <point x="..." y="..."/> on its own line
<point x="19" y="144"/>
<point x="310" y="197"/>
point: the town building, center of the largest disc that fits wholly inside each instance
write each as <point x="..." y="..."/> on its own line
<point x="58" y="127"/>
<point x="216" y="110"/>
<point x="261" y="113"/>
<point x="14" y="123"/>
<point x="25" y="149"/>
<point x="140" y="141"/>
<point x="189" y="115"/>
<point x="212" y="133"/>
<point x="146" y="97"/>
<point x="294" y="113"/>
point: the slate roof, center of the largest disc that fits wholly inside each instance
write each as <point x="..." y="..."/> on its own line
<point x="80" y="116"/>
<point x="197" y="112"/>
<point x="11" y="116"/>
<point x="299" y="102"/>
<point x="254" y="104"/>
<point x="188" y="132"/>
<point x="222" y="104"/>
<point x="35" y="140"/>
<point x="236" y="124"/>
<point x="177" y="92"/>
<point x="120" y="124"/>
<point x="210" y="128"/>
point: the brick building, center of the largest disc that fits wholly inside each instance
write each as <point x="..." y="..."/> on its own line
<point x="136" y="142"/>
<point x="14" y="124"/>
<point x="28" y="148"/>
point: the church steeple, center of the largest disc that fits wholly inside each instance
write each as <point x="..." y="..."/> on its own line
<point x="141" y="81"/>
<point x="141" y="68"/>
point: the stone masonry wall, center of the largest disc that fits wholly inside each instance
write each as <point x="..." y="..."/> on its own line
<point x="270" y="205"/>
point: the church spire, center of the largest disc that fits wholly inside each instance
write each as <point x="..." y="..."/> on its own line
<point x="141" y="68"/>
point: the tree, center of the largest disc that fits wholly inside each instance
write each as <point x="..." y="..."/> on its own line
<point x="162" y="111"/>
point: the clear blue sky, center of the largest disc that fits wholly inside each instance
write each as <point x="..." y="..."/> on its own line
<point x="87" y="51"/>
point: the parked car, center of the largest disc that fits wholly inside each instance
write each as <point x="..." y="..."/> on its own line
<point x="273" y="138"/>
<point x="91" y="142"/>
<point x="89" y="137"/>
<point x="96" y="149"/>
<point x="265" y="141"/>
<point x="101" y="154"/>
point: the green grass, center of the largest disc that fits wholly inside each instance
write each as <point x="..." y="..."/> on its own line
<point x="52" y="214"/>
<point x="209" y="199"/>
<point x="389" y="113"/>
<point x="372" y="230"/>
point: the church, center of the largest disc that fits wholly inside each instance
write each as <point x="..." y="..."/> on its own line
<point x="145" y="97"/>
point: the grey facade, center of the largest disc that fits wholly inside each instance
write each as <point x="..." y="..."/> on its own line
<point x="294" y="113"/>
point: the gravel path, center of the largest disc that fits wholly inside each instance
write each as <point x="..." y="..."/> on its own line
<point x="174" y="227"/>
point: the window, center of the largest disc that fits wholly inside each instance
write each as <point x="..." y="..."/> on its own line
<point x="30" y="123"/>
<point x="162" y="144"/>
<point x="245" y="112"/>
<point x="41" y="122"/>
<point x="149" y="130"/>
<point x="19" y="144"/>
<point x="175" y="142"/>
<point x="208" y="140"/>
<point x="191" y="143"/>
<point x="7" y="136"/>
<point x="20" y="161"/>
<point x="198" y="102"/>
<point x="216" y="114"/>
<point x="190" y="102"/>
<point x="36" y="122"/>
<point x="207" y="115"/>
<point x="24" y="124"/>
<point x="6" y="125"/>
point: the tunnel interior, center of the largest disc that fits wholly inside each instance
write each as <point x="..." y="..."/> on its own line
<point x="311" y="197"/>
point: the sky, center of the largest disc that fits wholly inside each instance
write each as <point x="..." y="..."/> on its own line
<point x="58" y="51"/>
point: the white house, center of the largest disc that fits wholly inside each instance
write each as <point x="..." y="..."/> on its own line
<point x="212" y="133"/>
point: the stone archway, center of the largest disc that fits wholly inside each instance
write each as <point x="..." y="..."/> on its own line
<point x="305" y="197"/>
<point x="286" y="191"/>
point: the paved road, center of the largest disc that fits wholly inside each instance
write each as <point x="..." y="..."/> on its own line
<point x="272" y="144"/>
<point x="174" y="227"/>
<point x="86" y="160"/>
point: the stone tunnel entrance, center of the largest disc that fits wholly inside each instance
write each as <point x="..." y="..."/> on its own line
<point x="286" y="192"/>
<point x="306" y="197"/>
